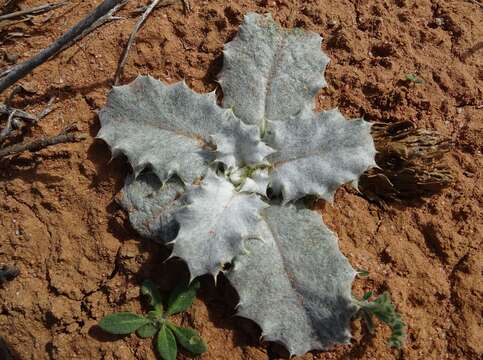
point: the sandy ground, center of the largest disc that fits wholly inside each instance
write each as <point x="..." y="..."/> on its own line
<point x="80" y="259"/>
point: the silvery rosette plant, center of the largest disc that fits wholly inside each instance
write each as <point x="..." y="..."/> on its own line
<point x="224" y="185"/>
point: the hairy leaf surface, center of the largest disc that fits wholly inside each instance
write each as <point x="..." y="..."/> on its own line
<point x="122" y="323"/>
<point x="317" y="153"/>
<point x="152" y="205"/>
<point x="270" y="72"/>
<point x="189" y="339"/>
<point x="166" y="343"/>
<point x="168" y="128"/>
<point x="215" y="224"/>
<point x="257" y="183"/>
<point x="182" y="297"/>
<point x="148" y="330"/>
<point x="295" y="284"/>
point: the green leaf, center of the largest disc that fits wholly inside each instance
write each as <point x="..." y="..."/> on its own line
<point x="189" y="339"/>
<point x="166" y="343"/>
<point x="367" y="295"/>
<point x="151" y="292"/>
<point x="148" y="330"/>
<point x="155" y="315"/>
<point x="384" y="310"/>
<point x="362" y="273"/>
<point x="396" y="340"/>
<point x="181" y="298"/>
<point x="368" y="319"/>
<point x="413" y="78"/>
<point x="122" y="323"/>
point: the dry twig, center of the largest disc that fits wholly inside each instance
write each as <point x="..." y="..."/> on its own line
<point x="130" y="41"/>
<point x="36" y="145"/>
<point x="477" y="3"/>
<point x="7" y="110"/>
<point x="99" y="16"/>
<point x="141" y="9"/>
<point x="36" y="10"/>
<point x="14" y="116"/>
<point x="186" y="6"/>
<point x="47" y="109"/>
<point x="6" y="71"/>
<point x="109" y="16"/>
<point x="8" y="128"/>
<point x="8" y="23"/>
<point x="146" y="10"/>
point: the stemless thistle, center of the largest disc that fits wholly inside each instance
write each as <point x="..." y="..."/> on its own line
<point x="202" y="174"/>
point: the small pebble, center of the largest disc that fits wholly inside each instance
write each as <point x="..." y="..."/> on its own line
<point x="439" y="21"/>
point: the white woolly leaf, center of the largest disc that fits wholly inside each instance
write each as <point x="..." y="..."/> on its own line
<point x="151" y="206"/>
<point x="269" y="72"/>
<point x="318" y="152"/>
<point x="295" y="284"/>
<point x="215" y="224"/>
<point x="168" y="129"/>
<point x="240" y="145"/>
<point x="257" y="183"/>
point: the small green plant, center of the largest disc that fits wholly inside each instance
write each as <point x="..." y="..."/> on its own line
<point x="414" y="79"/>
<point x="384" y="310"/>
<point x="362" y="273"/>
<point x="156" y="322"/>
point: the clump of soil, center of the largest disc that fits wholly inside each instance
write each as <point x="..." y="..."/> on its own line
<point x="79" y="259"/>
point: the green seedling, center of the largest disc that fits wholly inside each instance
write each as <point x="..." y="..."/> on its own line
<point x="413" y="78"/>
<point x="362" y="273"/>
<point x="384" y="310"/>
<point x="156" y="324"/>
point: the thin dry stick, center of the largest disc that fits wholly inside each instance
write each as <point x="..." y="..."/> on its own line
<point x="66" y="40"/>
<point x="477" y="3"/>
<point x="32" y="119"/>
<point x="101" y="21"/>
<point x="130" y="41"/>
<point x="143" y="8"/>
<point x="185" y="3"/>
<point x="146" y="10"/>
<point x="7" y="110"/>
<point x="36" y="10"/>
<point x="8" y="23"/>
<point x="5" y="72"/>
<point x="186" y="6"/>
<point x="8" y="128"/>
<point x="39" y="144"/>
<point x="15" y="114"/>
<point x="47" y="109"/>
